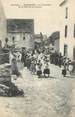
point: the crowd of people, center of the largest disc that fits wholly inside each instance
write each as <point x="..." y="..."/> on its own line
<point x="38" y="62"/>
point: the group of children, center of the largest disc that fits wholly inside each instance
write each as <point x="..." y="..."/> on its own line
<point x="40" y="69"/>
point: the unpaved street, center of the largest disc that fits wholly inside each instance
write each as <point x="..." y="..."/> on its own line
<point x="44" y="97"/>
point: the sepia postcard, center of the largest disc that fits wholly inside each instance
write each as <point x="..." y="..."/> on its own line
<point x="37" y="58"/>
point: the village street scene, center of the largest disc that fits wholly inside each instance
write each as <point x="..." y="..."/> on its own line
<point x="37" y="59"/>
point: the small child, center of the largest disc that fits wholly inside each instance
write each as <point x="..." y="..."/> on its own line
<point x="46" y="71"/>
<point x="38" y="69"/>
<point x="64" y="72"/>
<point x="33" y="67"/>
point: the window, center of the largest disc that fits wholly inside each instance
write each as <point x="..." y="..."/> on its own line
<point x="23" y="38"/>
<point x="66" y="27"/>
<point x="74" y="53"/>
<point x="65" y="50"/>
<point x="66" y="15"/>
<point x="74" y="30"/>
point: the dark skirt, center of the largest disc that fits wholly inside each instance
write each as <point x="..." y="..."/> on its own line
<point x="39" y="72"/>
<point x="64" y="72"/>
<point x="46" y="71"/>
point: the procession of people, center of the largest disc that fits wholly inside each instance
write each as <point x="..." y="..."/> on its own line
<point x="38" y="62"/>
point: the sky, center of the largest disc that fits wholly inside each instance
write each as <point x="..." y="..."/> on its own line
<point x="45" y="18"/>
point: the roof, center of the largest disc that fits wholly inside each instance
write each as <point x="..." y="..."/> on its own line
<point x="38" y="38"/>
<point x="63" y="2"/>
<point x="54" y="36"/>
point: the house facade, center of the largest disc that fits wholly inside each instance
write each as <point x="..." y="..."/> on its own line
<point x="67" y="29"/>
<point x="20" y="32"/>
